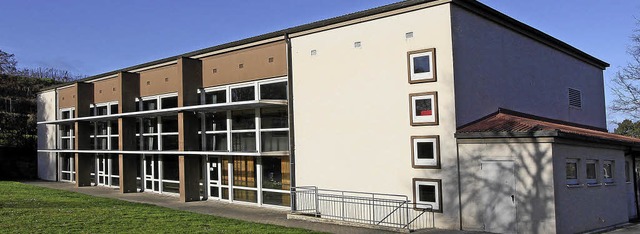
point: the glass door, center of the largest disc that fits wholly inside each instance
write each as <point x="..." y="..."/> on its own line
<point x="103" y="177"/>
<point x="151" y="173"/>
<point x="213" y="167"/>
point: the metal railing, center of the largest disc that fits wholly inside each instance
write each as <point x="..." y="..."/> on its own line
<point x="389" y="210"/>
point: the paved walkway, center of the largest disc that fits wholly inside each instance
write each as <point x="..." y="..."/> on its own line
<point x="217" y="208"/>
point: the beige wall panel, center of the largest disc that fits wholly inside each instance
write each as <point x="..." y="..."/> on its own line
<point x="351" y="107"/>
<point x="255" y="61"/>
<point x="67" y="97"/>
<point x="534" y="174"/>
<point x="599" y="206"/>
<point x="106" y="90"/>
<point x="159" y="81"/>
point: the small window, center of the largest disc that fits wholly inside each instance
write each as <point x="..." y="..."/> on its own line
<point x="575" y="98"/>
<point x="572" y="171"/>
<point x="243" y="94"/>
<point x="114" y="109"/>
<point x="608" y="171"/>
<point x="591" y="172"/>
<point x="101" y="110"/>
<point x="427" y="194"/>
<point x="421" y="65"/>
<point x="149" y="105"/>
<point x="424" y="108"/>
<point x="425" y="152"/>
<point x="169" y="102"/>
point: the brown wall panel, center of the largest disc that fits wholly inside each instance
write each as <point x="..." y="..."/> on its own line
<point x="255" y="62"/>
<point x="84" y="94"/>
<point x="106" y="90"/>
<point x="190" y="75"/>
<point x="67" y="97"/>
<point x="159" y="81"/>
<point x="129" y="84"/>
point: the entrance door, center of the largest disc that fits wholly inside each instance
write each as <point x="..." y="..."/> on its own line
<point x="102" y="166"/>
<point x="151" y="176"/>
<point x="498" y="196"/>
<point x="213" y="168"/>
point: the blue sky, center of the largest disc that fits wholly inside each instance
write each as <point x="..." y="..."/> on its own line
<point x="92" y="37"/>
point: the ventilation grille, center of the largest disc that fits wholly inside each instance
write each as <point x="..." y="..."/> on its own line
<point x="575" y="98"/>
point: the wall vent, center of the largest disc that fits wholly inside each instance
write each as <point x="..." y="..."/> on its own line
<point x="408" y="35"/>
<point x="575" y="98"/>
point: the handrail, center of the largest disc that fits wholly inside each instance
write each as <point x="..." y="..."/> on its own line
<point x="378" y="209"/>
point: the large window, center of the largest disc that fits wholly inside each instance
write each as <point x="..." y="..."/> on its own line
<point x="428" y="194"/>
<point x="158" y="133"/>
<point x="105" y="133"/>
<point x="67" y="131"/>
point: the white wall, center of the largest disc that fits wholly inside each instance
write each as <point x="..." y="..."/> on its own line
<point x="47" y="169"/>
<point x="534" y="196"/>
<point x="587" y="208"/>
<point x="497" y="67"/>
<point x="351" y="107"/>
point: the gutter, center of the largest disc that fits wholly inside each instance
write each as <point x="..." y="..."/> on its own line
<point x="292" y="142"/>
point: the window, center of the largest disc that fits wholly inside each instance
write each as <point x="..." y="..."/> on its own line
<point x="572" y="171"/>
<point x="425" y="152"/>
<point x="427" y="194"/>
<point x="608" y="171"/>
<point x="274" y="91"/>
<point x="214" y="97"/>
<point x="169" y="102"/>
<point x="243" y="94"/>
<point x="590" y="167"/>
<point x="421" y="66"/>
<point x="424" y="108"/>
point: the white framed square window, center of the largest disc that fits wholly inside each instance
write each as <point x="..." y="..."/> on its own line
<point x="572" y="171"/>
<point x="424" y="108"/>
<point x="422" y="65"/>
<point x="591" y="172"/>
<point x="425" y="152"/>
<point x="427" y="194"/>
<point x="608" y="171"/>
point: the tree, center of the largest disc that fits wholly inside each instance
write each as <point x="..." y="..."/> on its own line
<point x="628" y="128"/>
<point x="8" y="63"/>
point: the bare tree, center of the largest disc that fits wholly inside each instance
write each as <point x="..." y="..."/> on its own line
<point x="8" y="63"/>
<point x="627" y="82"/>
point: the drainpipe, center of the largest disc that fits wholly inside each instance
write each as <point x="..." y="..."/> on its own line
<point x="459" y="186"/>
<point x="292" y="142"/>
<point x="635" y="185"/>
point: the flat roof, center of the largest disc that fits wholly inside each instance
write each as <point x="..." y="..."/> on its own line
<point x="470" y="5"/>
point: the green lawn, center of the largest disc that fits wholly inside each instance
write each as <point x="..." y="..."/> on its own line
<point x="31" y="209"/>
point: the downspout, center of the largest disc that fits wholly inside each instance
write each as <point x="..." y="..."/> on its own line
<point x="459" y="186"/>
<point x="292" y="142"/>
<point x="635" y="185"/>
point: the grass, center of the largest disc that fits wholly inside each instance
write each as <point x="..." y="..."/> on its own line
<point x="31" y="209"/>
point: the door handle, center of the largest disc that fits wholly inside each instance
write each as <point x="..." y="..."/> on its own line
<point x="513" y="198"/>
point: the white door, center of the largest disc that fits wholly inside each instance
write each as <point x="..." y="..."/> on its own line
<point x="213" y="166"/>
<point x="103" y="176"/>
<point x="498" y="196"/>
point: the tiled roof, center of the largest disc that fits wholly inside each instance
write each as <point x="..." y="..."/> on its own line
<point x="507" y="123"/>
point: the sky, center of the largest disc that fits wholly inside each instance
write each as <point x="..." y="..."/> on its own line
<point x="93" y="37"/>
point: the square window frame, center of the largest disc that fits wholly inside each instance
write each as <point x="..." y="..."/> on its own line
<point x="435" y="182"/>
<point x="434" y="104"/>
<point x="575" y="181"/>
<point x="415" y="162"/>
<point x="419" y="78"/>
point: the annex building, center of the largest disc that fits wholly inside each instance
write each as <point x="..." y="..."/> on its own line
<point x="475" y="118"/>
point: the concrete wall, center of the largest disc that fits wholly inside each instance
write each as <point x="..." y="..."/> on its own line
<point x="47" y="165"/>
<point x="586" y="208"/>
<point x="351" y="107"/>
<point x="534" y="196"/>
<point x="497" y="67"/>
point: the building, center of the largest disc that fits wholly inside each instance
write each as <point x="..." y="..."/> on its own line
<point x="490" y="123"/>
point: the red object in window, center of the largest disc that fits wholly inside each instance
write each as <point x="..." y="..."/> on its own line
<point x="426" y="112"/>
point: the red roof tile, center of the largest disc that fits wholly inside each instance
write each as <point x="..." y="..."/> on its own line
<point x="510" y="123"/>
